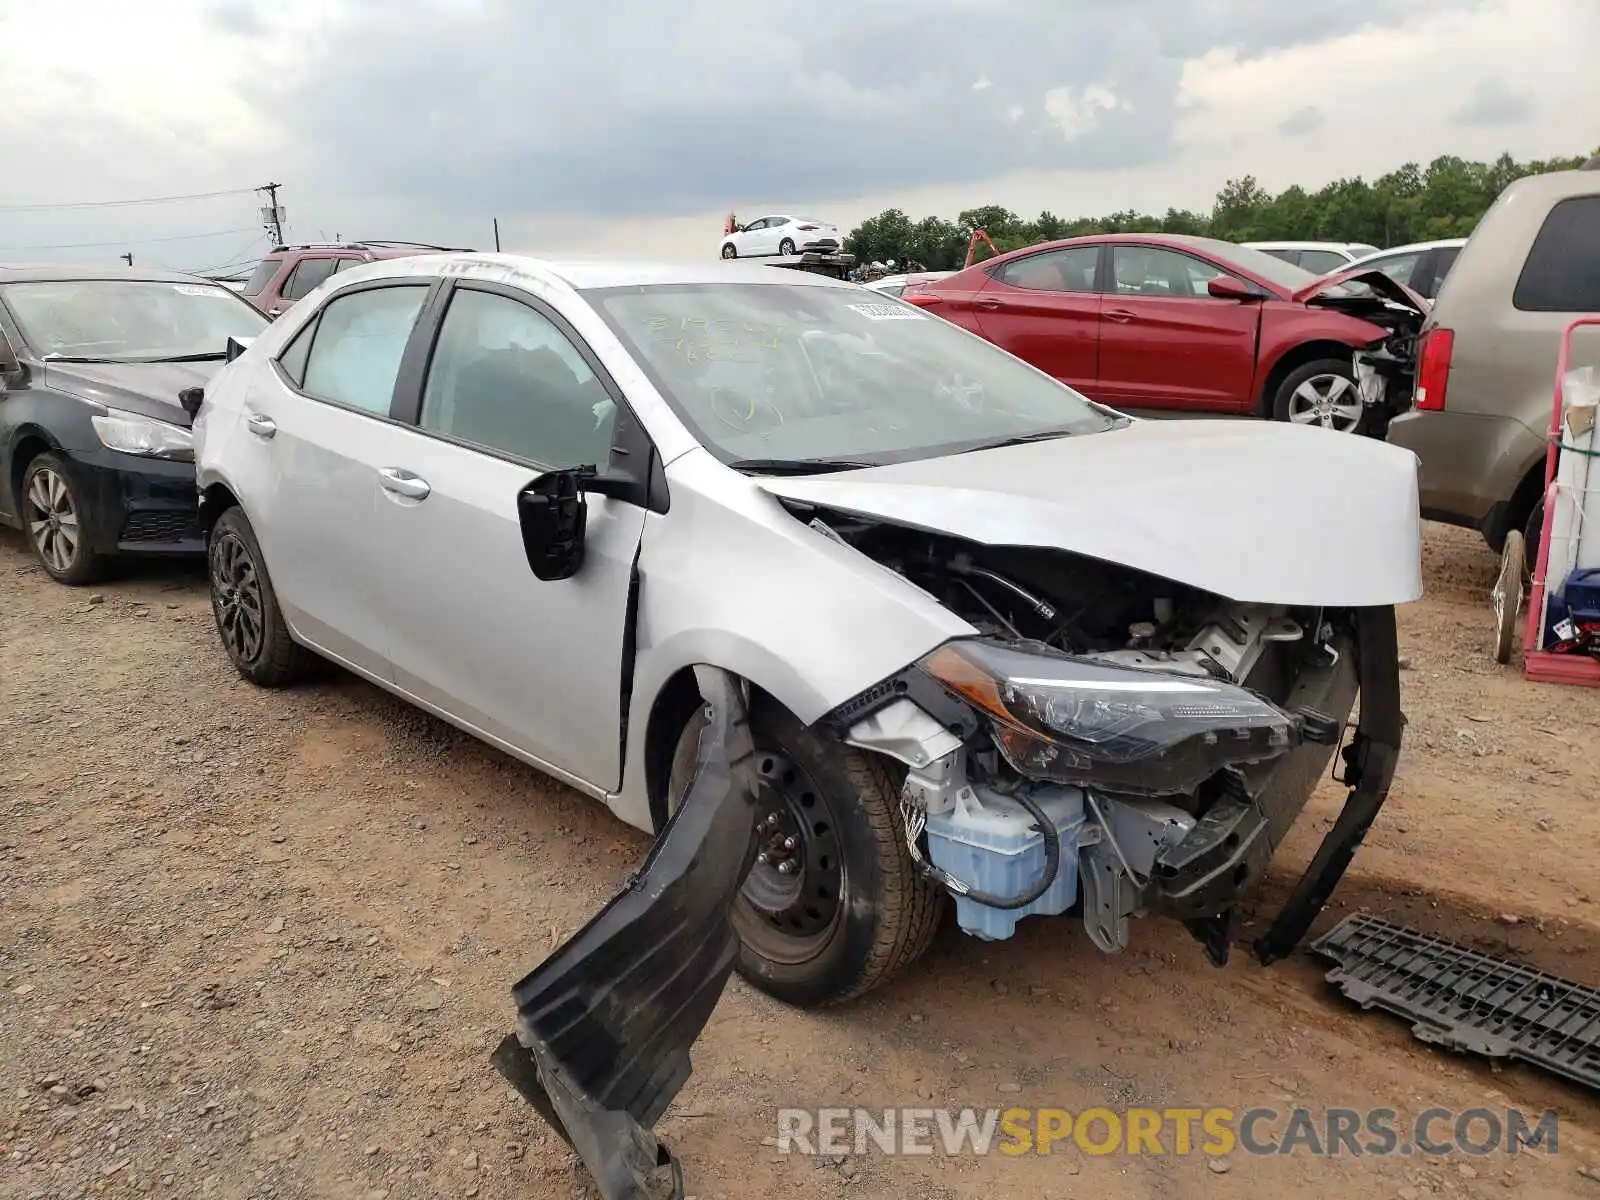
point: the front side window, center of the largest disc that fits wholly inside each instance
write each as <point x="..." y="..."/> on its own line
<point x="130" y="320"/>
<point x="1155" y="271"/>
<point x="504" y="377"/>
<point x="1562" y="273"/>
<point x="355" y="352"/>
<point x="1070" y="270"/>
<point x="799" y="372"/>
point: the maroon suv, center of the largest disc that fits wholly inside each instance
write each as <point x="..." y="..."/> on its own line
<point x="289" y="272"/>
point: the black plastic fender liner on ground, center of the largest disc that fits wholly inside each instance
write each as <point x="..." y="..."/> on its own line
<point x="606" y="1022"/>
<point x="1369" y="763"/>
<point x="1471" y="1002"/>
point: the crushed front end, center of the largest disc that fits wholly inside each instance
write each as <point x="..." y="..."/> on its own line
<point x="1122" y="744"/>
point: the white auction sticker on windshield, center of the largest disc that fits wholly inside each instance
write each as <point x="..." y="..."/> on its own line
<point x="888" y="312"/>
<point x="191" y="289"/>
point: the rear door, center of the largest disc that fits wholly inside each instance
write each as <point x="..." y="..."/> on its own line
<point x="1044" y="308"/>
<point x="316" y="433"/>
<point x="510" y="392"/>
<point x="1166" y="342"/>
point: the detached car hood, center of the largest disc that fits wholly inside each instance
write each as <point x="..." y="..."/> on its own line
<point x="149" y="389"/>
<point x="1255" y="512"/>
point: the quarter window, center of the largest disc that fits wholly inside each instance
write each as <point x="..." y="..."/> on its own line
<point x="504" y="377"/>
<point x="266" y="271"/>
<point x="355" y="353"/>
<point x="1562" y="273"/>
<point x="307" y="274"/>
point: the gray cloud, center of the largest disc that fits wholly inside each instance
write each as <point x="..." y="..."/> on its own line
<point x="1493" y="102"/>
<point x="239" y="17"/>
<point x="664" y="106"/>
<point x="1303" y="121"/>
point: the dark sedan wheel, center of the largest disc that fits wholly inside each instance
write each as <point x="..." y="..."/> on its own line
<point x="58" y="522"/>
<point x="833" y="905"/>
<point x="249" y="621"/>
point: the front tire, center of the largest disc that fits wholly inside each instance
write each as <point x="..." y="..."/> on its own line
<point x="1321" y="393"/>
<point x="249" y="621"/>
<point x="729" y="250"/>
<point x="851" y="910"/>
<point x="59" y="525"/>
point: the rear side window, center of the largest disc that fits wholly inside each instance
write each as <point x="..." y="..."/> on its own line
<point x="1323" y="262"/>
<point x="355" y="352"/>
<point x="1562" y="273"/>
<point x="307" y="274"/>
<point x="1069" y="270"/>
<point x="264" y="273"/>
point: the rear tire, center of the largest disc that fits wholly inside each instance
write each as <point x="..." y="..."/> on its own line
<point x="1321" y="393"/>
<point x="883" y="912"/>
<point x="245" y="606"/>
<point x="785" y="248"/>
<point x="59" y="525"/>
<point x="1507" y="597"/>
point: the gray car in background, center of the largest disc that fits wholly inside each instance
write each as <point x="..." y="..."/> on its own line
<point x="1486" y="359"/>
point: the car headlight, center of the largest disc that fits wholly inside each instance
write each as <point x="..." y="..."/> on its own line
<point x="1116" y="728"/>
<point x="133" y="434"/>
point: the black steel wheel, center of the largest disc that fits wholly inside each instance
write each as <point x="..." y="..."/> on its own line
<point x="833" y="905"/>
<point x="249" y="621"/>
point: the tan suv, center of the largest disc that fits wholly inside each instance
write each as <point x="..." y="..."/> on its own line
<point x="1485" y="372"/>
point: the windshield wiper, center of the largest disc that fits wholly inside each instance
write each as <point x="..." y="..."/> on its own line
<point x="80" y="358"/>
<point x="796" y="466"/>
<point x="1019" y="439"/>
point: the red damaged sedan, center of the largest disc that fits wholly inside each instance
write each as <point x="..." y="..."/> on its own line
<point x="1190" y="324"/>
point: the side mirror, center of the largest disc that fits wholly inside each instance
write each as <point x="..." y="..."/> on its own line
<point x="192" y="398"/>
<point x="1226" y="287"/>
<point x="236" y="346"/>
<point x="553" y="512"/>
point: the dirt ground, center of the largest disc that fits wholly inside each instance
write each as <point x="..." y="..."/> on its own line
<point x="259" y="944"/>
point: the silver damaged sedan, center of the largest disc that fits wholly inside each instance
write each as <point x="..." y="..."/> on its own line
<point x="998" y="648"/>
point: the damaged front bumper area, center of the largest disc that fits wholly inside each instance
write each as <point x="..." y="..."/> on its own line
<point x="1008" y="846"/>
<point x="606" y="1022"/>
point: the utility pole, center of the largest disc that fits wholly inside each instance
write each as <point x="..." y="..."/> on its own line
<point x="272" y="215"/>
<point x="497" y="235"/>
<point x="127" y="258"/>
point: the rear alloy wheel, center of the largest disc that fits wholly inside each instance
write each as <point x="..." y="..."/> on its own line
<point x="833" y="906"/>
<point x="785" y="247"/>
<point x="1321" y="393"/>
<point x="249" y="621"/>
<point x="57" y="524"/>
<point x="729" y="250"/>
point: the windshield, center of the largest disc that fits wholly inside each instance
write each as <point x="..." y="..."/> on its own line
<point x="130" y="320"/>
<point x="785" y="372"/>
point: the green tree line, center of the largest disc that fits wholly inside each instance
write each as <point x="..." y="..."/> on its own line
<point x="1412" y="204"/>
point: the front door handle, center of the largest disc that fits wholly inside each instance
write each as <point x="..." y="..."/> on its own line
<point x="1120" y="315"/>
<point x="262" y="427"/>
<point x="404" y="483"/>
<point x="989" y="305"/>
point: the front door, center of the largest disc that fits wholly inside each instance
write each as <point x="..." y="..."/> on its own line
<point x="1044" y="309"/>
<point x="1167" y="343"/>
<point x="534" y="665"/>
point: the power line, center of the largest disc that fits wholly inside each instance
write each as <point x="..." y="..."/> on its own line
<point x="182" y="237"/>
<point x="16" y="208"/>
<point x="237" y="260"/>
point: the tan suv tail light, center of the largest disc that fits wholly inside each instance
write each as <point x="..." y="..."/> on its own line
<point x="1433" y="372"/>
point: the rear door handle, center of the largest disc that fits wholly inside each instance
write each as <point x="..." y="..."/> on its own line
<point x="404" y="483"/>
<point x="1120" y="315"/>
<point x="262" y="427"/>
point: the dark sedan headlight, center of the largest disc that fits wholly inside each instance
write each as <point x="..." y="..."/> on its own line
<point x="131" y="433"/>
<point x="1122" y="730"/>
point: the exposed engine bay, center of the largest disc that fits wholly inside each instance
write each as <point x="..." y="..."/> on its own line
<point x="1386" y="368"/>
<point x="1128" y="744"/>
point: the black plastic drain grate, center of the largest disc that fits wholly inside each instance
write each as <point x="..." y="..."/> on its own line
<point x="1467" y="1001"/>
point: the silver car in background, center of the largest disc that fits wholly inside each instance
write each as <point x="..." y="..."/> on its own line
<point x="998" y="642"/>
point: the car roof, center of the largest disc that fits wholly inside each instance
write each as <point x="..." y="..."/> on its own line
<point x="586" y="274"/>
<point x="1301" y="245"/>
<point x="1409" y="247"/>
<point x="63" y="272"/>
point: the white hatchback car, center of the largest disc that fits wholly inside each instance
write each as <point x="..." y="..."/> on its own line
<point x="997" y="639"/>
<point x="781" y="235"/>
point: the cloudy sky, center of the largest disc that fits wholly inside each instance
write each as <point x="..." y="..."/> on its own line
<point x="633" y="126"/>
